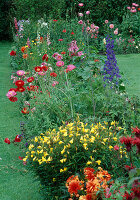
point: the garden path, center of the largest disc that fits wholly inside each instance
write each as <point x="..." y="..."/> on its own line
<point x="16" y="183"/>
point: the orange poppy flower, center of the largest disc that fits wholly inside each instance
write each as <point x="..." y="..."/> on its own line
<point x="25" y="56"/>
<point x="23" y="49"/>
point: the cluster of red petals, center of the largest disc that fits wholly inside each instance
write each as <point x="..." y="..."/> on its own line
<point x="44" y="68"/>
<point x="136" y="131"/>
<point x="60" y="39"/>
<point x="17" y="139"/>
<point x="89" y="173"/>
<point x="64" y="31"/>
<point x="129" y="167"/>
<point x="19" y="83"/>
<point x="13" y="99"/>
<point x="32" y="88"/>
<point x="20" y="158"/>
<point x="45" y="57"/>
<point x="13" y="53"/>
<point x="96" y="60"/>
<point x="74" y="187"/>
<point x="25" y="111"/>
<point x="53" y="74"/>
<point x="63" y="52"/>
<point x="72" y="33"/>
<point x="23" y="49"/>
<point x="30" y="79"/>
<point x="128" y="196"/>
<point x="55" y="20"/>
<point x="7" y="140"/>
<point x="38" y="69"/>
<point x="41" y="39"/>
<point x="136" y="191"/>
<point x="127" y="141"/>
<point x="20" y="89"/>
<point x="13" y="89"/>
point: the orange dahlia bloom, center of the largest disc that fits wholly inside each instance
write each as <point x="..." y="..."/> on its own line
<point x="74" y="187"/>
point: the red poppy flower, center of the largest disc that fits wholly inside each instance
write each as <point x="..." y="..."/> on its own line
<point x="25" y="111"/>
<point x="64" y="31"/>
<point x="30" y="79"/>
<point x="19" y="83"/>
<point x="7" y="140"/>
<point x="63" y="52"/>
<point x="13" y="53"/>
<point x="13" y="99"/>
<point x="20" y="158"/>
<point x="38" y="69"/>
<point x="45" y="57"/>
<point x="72" y="33"/>
<point x="45" y="68"/>
<point x="13" y="89"/>
<point x="60" y="39"/>
<point x="20" y="89"/>
<point x="53" y="74"/>
<point x="17" y="139"/>
<point x="55" y="20"/>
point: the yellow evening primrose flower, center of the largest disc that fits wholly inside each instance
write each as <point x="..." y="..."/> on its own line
<point x="110" y="147"/>
<point x="105" y="139"/>
<point x="63" y="170"/>
<point x="45" y="154"/>
<point x="36" y="139"/>
<point x="71" y="141"/>
<point x="51" y="149"/>
<point x="43" y="159"/>
<point x="60" y="142"/>
<point x="103" y="143"/>
<point x="49" y="159"/>
<point x="54" y="179"/>
<point x="106" y="123"/>
<point x="62" y="152"/>
<point x="31" y="146"/>
<point x="98" y="162"/>
<point x="63" y="160"/>
<point x="32" y="155"/>
<point x="24" y="159"/>
<point x="34" y="158"/>
<point x="89" y="163"/>
<point x="113" y="123"/>
<point x="40" y="161"/>
<point x="115" y="139"/>
<point x="39" y="147"/>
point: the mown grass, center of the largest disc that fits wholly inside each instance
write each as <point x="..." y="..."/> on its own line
<point x="16" y="182"/>
<point x="130" y="65"/>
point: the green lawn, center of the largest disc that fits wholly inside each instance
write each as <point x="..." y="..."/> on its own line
<point x="130" y="66"/>
<point x="16" y="183"/>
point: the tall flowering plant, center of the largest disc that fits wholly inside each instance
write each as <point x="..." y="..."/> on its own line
<point x="111" y="72"/>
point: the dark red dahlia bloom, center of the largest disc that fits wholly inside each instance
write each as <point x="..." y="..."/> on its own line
<point x="13" y="53"/>
<point x="30" y="79"/>
<point x="19" y="83"/>
<point x="136" y="141"/>
<point x="45" y="57"/>
<point x="13" y="99"/>
<point x="127" y="141"/>
<point x="20" y="89"/>
<point x="136" y="131"/>
<point x="7" y="140"/>
<point x="53" y="74"/>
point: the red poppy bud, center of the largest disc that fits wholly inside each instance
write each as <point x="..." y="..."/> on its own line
<point x="7" y="140"/>
<point x="17" y="139"/>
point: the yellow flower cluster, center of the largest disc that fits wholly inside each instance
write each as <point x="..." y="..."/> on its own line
<point x="63" y="144"/>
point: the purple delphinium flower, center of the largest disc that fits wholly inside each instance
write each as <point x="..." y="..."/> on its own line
<point x="111" y="70"/>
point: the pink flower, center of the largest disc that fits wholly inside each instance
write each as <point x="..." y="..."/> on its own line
<point x="41" y="73"/>
<point x="11" y="93"/>
<point x="80" y="4"/>
<point x="116" y="147"/>
<point x="116" y="31"/>
<point x="59" y="63"/>
<point x="73" y="46"/>
<point x="111" y="25"/>
<point x="70" y="68"/>
<point x="80" y="14"/>
<point x="107" y="194"/>
<point x="80" y="53"/>
<point x="106" y="21"/>
<point x="55" y="83"/>
<point x="134" y="4"/>
<point x="96" y="28"/>
<point x="20" y="72"/>
<point x="128" y="8"/>
<point x="133" y="11"/>
<point x="92" y="26"/>
<point x="87" y="12"/>
<point x="80" y="22"/>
